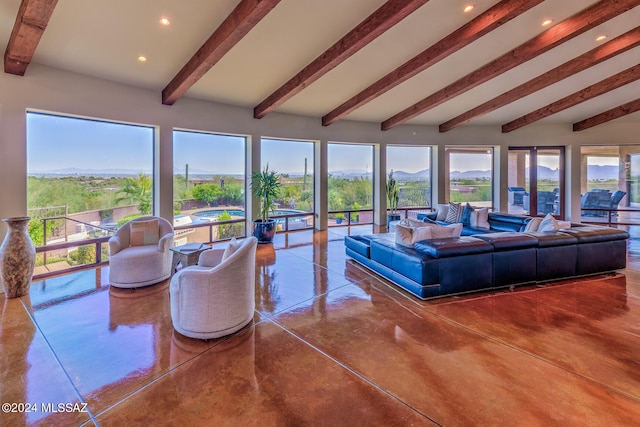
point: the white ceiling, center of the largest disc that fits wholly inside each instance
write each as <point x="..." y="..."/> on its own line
<point x="104" y="39"/>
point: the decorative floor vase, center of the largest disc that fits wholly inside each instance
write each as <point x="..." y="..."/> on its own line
<point x="17" y="258"/>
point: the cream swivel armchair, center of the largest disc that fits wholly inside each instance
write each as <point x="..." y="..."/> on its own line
<point x="216" y="297"/>
<point x="139" y="252"/>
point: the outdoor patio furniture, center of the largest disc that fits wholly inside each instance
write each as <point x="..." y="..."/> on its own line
<point x="139" y="252"/>
<point x="600" y="199"/>
<point x="546" y="202"/>
<point x="616" y="198"/>
<point x="516" y="195"/>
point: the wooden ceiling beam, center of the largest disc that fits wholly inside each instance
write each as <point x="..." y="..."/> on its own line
<point x="614" y="82"/>
<point x="554" y="36"/>
<point x="237" y="25"/>
<point x="389" y="14"/>
<point x="614" y="113"/>
<point x="595" y="56"/>
<point x="31" y="21"/>
<point x="494" y="17"/>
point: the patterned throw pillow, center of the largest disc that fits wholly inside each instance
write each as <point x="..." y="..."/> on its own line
<point x="146" y="232"/>
<point x="455" y="213"/>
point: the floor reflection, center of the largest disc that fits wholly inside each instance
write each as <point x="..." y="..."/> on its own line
<point x="332" y="344"/>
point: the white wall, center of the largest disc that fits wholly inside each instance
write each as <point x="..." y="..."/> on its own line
<point x="51" y="89"/>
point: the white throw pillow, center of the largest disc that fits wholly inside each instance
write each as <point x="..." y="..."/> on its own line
<point x="480" y="219"/>
<point x="549" y="223"/>
<point x="443" y="210"/>
<point x="455" y="213"/>
<point x="414" y="223"/>
<point x="563" y="225"/>
<point x="230" y="249"/>
<point x="408" y="236"/>
<point x="533" y="224"/>
<point x="444" y="231"/>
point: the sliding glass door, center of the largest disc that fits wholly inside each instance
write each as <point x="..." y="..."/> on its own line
<point x="536" y="181"/>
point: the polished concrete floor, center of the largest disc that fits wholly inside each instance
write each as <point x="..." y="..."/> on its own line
<point x="331" y="345"/>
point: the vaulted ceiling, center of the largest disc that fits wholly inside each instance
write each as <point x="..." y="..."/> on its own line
<point x="392" y="62"/>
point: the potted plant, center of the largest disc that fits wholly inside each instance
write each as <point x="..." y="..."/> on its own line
<point x="393" y="196"/>
<point x="265" y="186"/>
<point x="339" y="218"/>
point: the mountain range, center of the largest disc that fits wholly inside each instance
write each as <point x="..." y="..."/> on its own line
<point x="594" y="172"/>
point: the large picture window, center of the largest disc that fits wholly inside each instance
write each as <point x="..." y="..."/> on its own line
<point x="85" y="177"/>
<point x="350" y="185"/>
<point x="294" y="161"/>
<point x="208" y="185"/>
<point x="411" y="168"/>
<point x="470" y="175"/>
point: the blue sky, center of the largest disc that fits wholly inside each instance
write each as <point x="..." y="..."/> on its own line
<point x="59" y="142"/>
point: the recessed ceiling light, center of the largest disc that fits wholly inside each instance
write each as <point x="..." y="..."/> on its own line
<point x="600" y="38"/>
<point x="165" y="21"/>
<point x="142" y="58"/>
<point x="547" y="22"/>
<point x="468" y="8"/>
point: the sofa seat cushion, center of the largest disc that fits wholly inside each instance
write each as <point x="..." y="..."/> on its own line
<point x="407" y="262"/>
<point x="455" y="246"/>
<point x="139" y="265"/>
<point x="595" y="234"/>
<point x="507" y="240"/>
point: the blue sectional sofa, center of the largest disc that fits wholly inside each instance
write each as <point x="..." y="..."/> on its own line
<point x="503" y="256"/>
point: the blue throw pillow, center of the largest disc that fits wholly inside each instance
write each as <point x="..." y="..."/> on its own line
<point x="466" y="215"/>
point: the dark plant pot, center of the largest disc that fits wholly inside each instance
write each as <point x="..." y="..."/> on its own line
<point x="338" y="220"/>
<point x="264" y="231"/>
<point x="392" y="217"/>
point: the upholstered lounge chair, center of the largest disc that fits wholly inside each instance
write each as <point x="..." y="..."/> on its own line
<point x="216" y="297"/>
<point x="139" y="253"/>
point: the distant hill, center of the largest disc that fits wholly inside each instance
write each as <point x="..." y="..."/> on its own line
<point x="473" y="174"/>
<point x="600" y="172"/>
<point x="57" y="173"/>
<point x="595" y="172"/>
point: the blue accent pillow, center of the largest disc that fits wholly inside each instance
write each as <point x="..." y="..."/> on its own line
<point x="466" y="215"/>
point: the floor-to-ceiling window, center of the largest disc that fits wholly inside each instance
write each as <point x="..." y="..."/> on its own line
<point x="411" y="167"/>
<point x="350" y="181"/>
<point x="208" y="185"/>
<point x="470" y="175"/>
<point x="293" y="159"/>
<point x="86" y="177"/>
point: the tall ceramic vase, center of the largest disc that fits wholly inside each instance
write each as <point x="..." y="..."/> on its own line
<point x="17" y="258"/>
